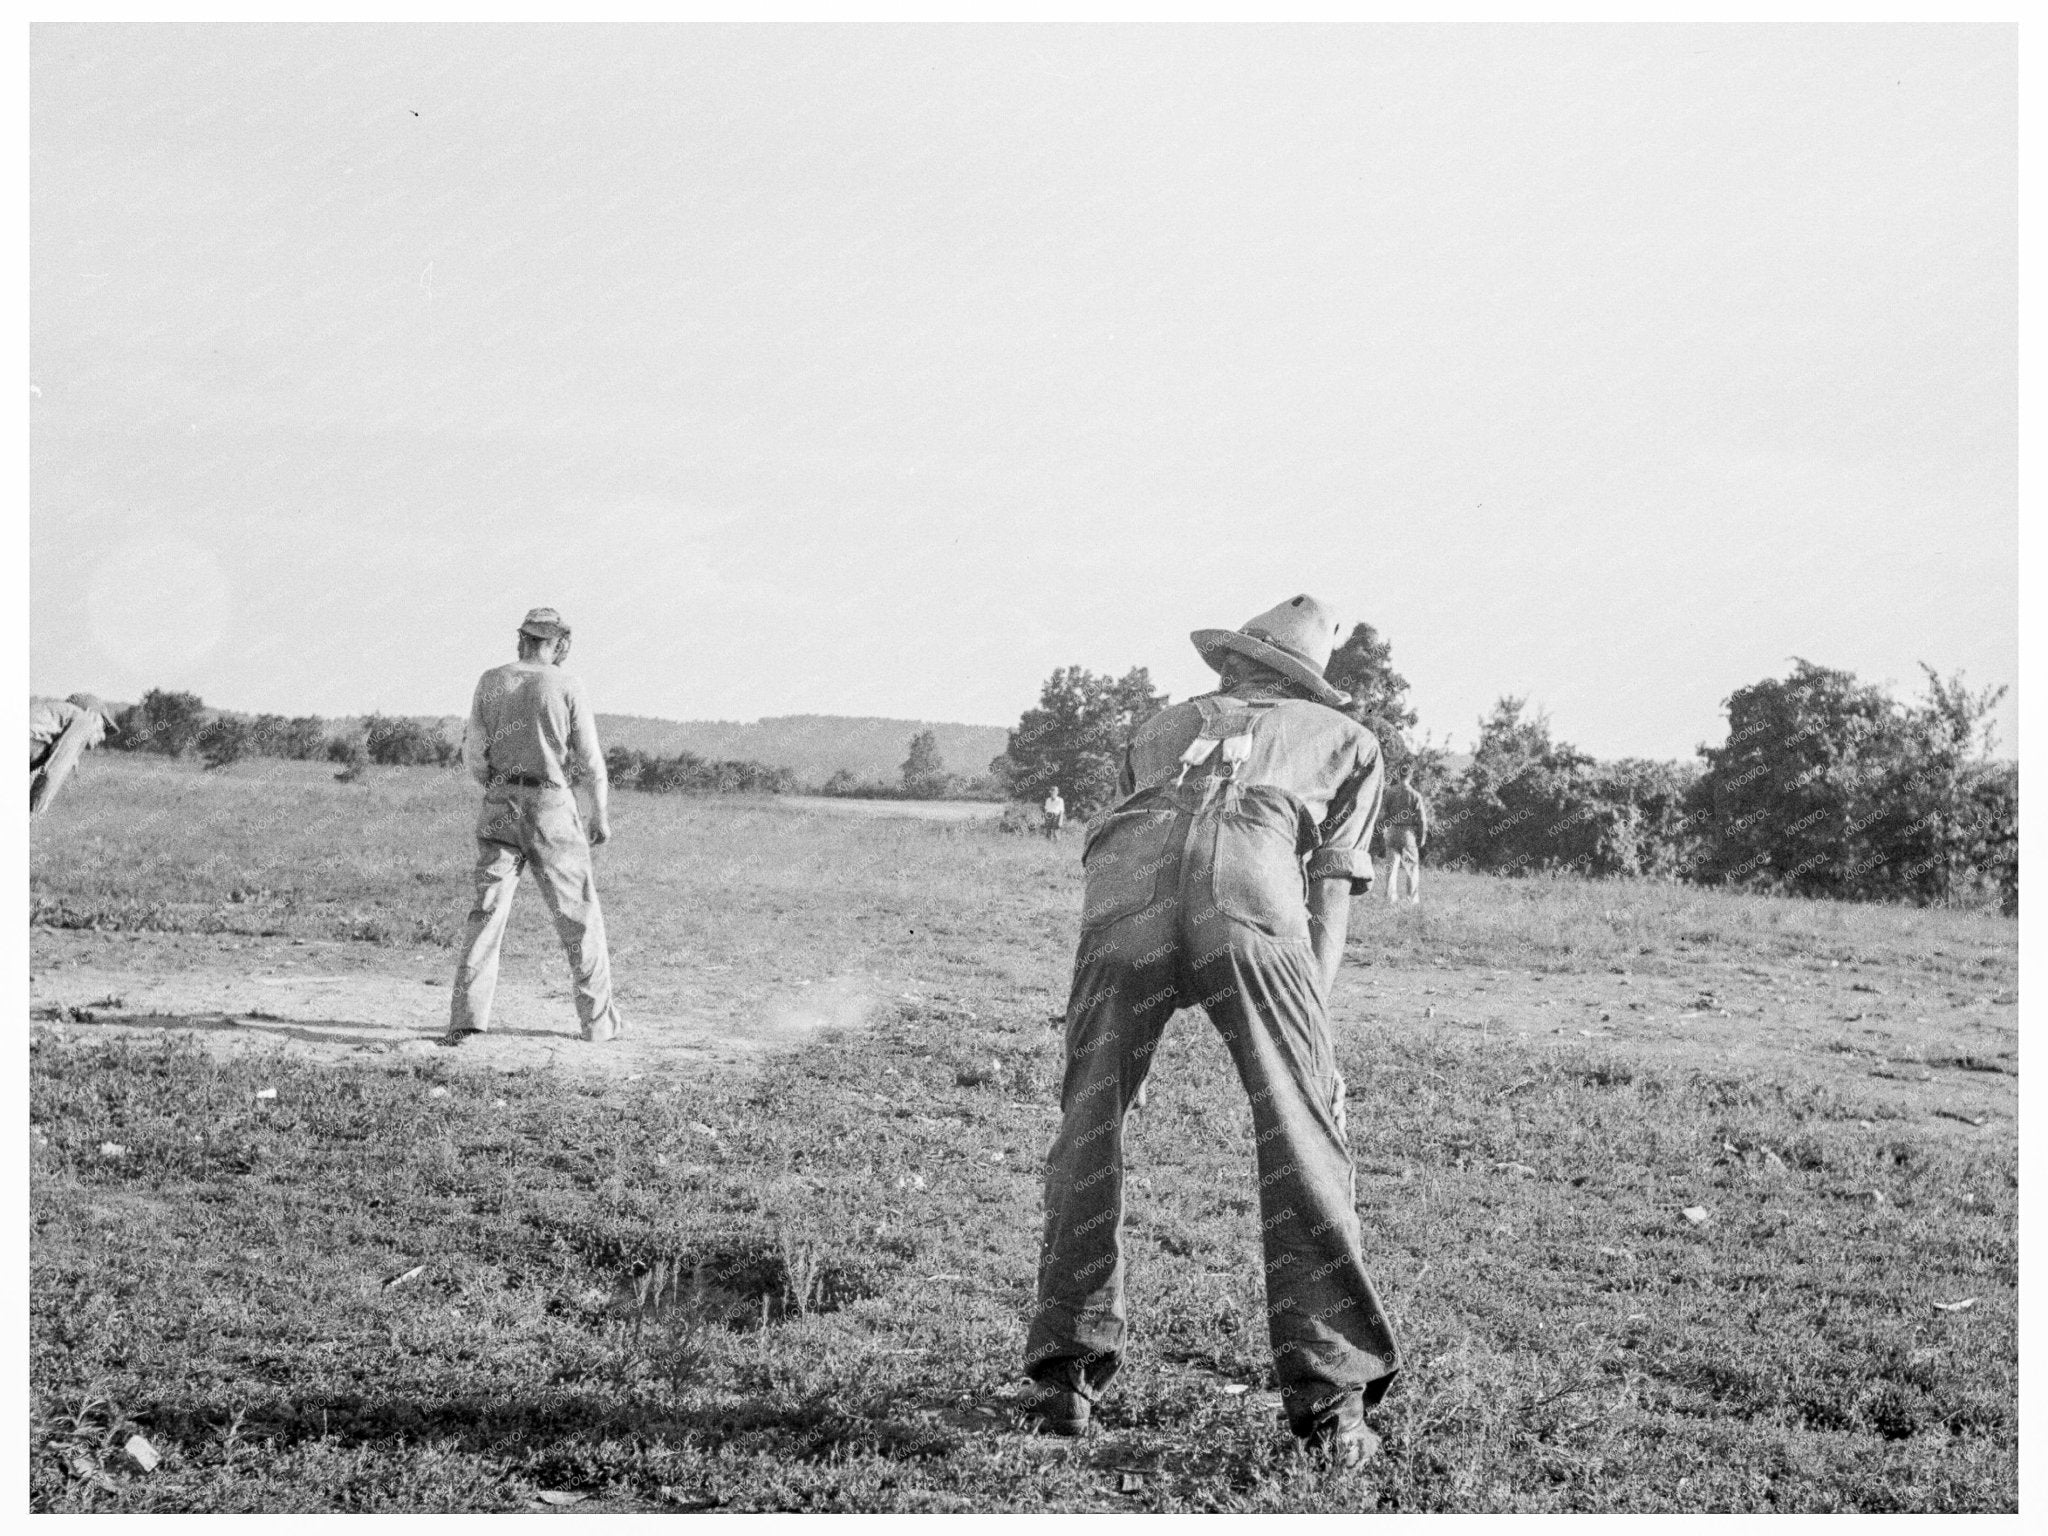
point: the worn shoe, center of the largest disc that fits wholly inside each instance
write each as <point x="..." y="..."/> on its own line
<point x="1339" y="1435"/>
<point x="1061" y="1405"/>
<point x="607" y="1028"/>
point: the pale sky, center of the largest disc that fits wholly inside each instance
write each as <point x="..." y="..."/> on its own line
<point x="881" y="371"/>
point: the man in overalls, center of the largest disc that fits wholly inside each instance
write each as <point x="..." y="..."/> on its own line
<point x="1222" y="878"/>
<point x="528" y="723"/>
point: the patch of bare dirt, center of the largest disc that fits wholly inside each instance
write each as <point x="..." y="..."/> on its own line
<point x="334" y="1001"/>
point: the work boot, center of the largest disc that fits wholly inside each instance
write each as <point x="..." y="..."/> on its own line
<point x="610" y="1027"/>
<point x="1061" y="1405"/>
<point x="1338" y="1433"/>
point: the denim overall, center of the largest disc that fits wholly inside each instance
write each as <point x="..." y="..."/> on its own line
<point x="1196" y="896"/>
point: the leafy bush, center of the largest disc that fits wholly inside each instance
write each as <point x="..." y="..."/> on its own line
<point x="226" y="739"/>
<point x="1527" y="803"/>
<point x="398" y="741"/>
<point x="302" y="738"/>
<point x="1020" y="818"/>
<point x="165" y="722"/>
<point x="353" y="756"/>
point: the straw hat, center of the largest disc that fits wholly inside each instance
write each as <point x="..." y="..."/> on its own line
<point x="1294" y="638"/>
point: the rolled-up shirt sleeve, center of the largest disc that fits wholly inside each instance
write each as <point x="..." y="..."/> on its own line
<point x="1345" y="851"/>
<point x="476" y="741"/>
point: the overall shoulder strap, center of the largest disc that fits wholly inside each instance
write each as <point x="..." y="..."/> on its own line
<point x="1226" y="723"/>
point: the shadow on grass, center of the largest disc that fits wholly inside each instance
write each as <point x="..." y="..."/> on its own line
<point x="307" y="1031"/>
<point x="568" y="1427"/>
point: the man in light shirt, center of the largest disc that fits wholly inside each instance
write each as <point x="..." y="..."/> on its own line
<point x="60" y="731"/>
<point x="1055" y="810"/>
<point x="528" y="725"/>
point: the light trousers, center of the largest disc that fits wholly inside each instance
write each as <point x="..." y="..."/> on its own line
<point x="517" y="827"/>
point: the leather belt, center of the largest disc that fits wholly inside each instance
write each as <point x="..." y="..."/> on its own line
<point x="524" y="781"/>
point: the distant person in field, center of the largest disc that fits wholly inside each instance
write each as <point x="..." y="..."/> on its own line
<point x="59" y="733"/>
<point x="529" y="723"/>
<point x="1406" y="823"/>
<point x="1222" y="878"/>
<point x="1055" y="813"/>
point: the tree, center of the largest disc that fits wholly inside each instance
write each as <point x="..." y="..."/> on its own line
<point x="1650" y="832"/>
<point x="1995" y="792"/>
<point x="1789" y="800"/>
<point x="924" y="771"/>
<point x="164" y="722"/>
<point x="1076" y="736"/>
<point x="1524" y="802"/>
<point x="1938" y="824"/>
<point x="1527" y="803"/>
<point x="1363" y="667"/>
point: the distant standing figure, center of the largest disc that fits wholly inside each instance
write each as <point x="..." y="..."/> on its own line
<point x="527" y="724"/>
<point x="59" y="734"/>
<point x="1406" y="819"/>
<point x="1055" y="813"/>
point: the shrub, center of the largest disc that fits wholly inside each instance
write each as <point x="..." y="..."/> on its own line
<point x="301" y="739"/>
<point x="165" y="722"/>
<point x="350" y="752"/>
<point x="398" y="741"/>
<point x="1018" y="817"/>
<point x="226" y="739"/>
<point x="687" y="773"/>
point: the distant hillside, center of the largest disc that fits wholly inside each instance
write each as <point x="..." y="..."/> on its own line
<point x="814" y="746"/>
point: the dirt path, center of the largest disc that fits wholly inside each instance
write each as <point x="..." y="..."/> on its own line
<point x="1943" y="1048"/>
<point x="331" y="1000"/>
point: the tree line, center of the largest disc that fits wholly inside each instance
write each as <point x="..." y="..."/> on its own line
<point x="1826" y="786"/>
<point x="686" y="773"/>
<point x="924" y="776"/>
<point x="176" y="724"/>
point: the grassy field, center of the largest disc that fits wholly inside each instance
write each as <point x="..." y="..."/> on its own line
<point x="419" y="1283"/>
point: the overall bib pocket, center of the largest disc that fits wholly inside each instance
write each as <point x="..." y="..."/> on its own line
<point x="1125" y="860"/>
